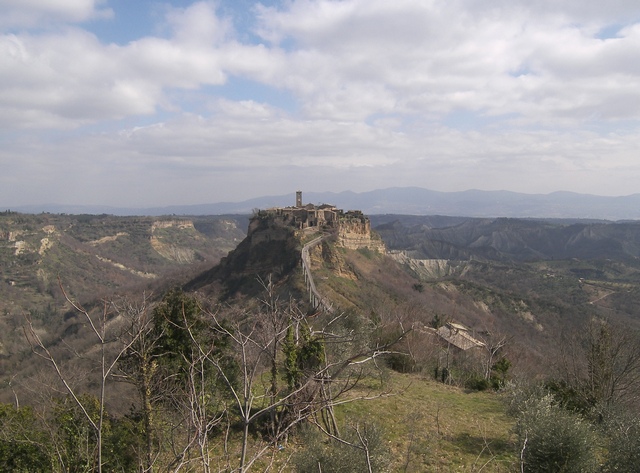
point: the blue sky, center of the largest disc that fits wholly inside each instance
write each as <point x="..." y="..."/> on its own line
<point x="151" y="103"/>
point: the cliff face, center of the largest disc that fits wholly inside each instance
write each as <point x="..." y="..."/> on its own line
<point x="355" y="234"/>
<point x="270" y="248"/>
<point x="429" y="268"/>
<point x="352" y="228"/>
<point x="273" y="247"/>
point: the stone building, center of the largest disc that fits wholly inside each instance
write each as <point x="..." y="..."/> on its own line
<point x="352" y="228"/>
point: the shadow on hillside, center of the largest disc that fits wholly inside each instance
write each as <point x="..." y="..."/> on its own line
<point x="484" y="447"/>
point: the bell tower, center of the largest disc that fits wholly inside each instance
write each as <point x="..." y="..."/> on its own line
<point x="298" y="198"/>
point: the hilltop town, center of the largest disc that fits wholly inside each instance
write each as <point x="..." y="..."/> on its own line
<point x="352" y="228"/>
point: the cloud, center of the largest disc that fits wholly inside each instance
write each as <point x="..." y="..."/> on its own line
<point x="199" y="24"/>
<point x="247" y="149"/>
<point x="342" y="61"/>
<point x="34" y="13"/>
<point x="437" y="57"/>
<point x="69" y="78"/>
<point x="46" y="88"/>
<point x="451" y="95"/>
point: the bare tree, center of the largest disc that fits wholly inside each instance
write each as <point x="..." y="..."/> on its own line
<point x="494" y="344"/>
<point x="602" y="365"/>
<point x="139" y="366"/>
<point x="174" y="381"/>
<point x="613" y="363"/>
<point x="201" y="412"/>
<point x="107" y="360"/>
<point x="320" y="383"/>
<point x="275" y="322"/>
<point x="271" y="368"/>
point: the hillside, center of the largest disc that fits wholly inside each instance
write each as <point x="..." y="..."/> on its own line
<point x="532" y="280"/>
<point x="561" y="268"/>
<point x="525" y="302"/>
<point x="270" y="250"/>
<point x="593" y="268"/>
<point x="511" y="239"/>
<point x="97" y="256"/>
<point x="517" y="286"/>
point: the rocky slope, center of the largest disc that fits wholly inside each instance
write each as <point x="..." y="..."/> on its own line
<point x="271" y="249"/>
<point x="94" y="257"/>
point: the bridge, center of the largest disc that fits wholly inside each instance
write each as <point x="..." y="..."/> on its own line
<point x="315" y="299"/>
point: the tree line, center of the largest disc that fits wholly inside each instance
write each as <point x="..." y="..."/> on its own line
<point x="186" y="385"/>
<point x="198" y="387"/>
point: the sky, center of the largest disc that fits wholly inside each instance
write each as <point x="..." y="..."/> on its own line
<point x="151" y="103"/>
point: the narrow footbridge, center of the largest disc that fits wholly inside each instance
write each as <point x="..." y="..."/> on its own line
<point x="316" y="300"/>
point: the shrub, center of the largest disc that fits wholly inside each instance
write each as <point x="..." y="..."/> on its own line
<point x="552" y="439"/>
<point x="477" y="383"/>
<point x="332" y="456"/>
<point x="402" y="363"/>
<point x="624" y="444"/>
<point x="23" y="445"/>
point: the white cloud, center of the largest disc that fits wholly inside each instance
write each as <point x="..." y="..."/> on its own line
<point x="444" y="94"/>
<point x="348" y="61"/>
<point x="199" y="24"/>
<point x="64" y="80"/>
<point x="31" y="13"/>
<point x="248" y="149"/>
<point x="69" y="78"/>
<point x="438" y="57"/>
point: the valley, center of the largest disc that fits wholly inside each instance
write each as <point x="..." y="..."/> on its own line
<point x="527" y="293"/>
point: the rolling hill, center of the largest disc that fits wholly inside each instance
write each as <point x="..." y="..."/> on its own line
<point x="404" y="200"/>
<point x="530" y="283"/>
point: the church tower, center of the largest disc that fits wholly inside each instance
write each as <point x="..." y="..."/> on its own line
<point x="298" y="198"/>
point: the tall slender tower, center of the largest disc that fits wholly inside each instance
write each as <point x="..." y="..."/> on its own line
<point x="298" y="198"/>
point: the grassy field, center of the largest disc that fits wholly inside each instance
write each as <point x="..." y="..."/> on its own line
<point x="421" y="426"/>
<point x="426" y="426"/>
<point x="431" y="427"/>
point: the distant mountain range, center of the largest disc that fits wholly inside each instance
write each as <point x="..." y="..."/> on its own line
<point x="402" y="200"/>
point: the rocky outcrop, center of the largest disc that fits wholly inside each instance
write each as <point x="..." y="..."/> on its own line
<point x="353" y="228"/>
<point x="355" y="233"/>
<point x="273" y="249"/>
<point x="270" y="249"/>
<point x="164" y="237"/>
<point x="183" y="224"/>
<point x="428" y="268"/>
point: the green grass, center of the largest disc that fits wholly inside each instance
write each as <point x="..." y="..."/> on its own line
<point x="433" y="427"/>
<point x="426" y="426"/>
